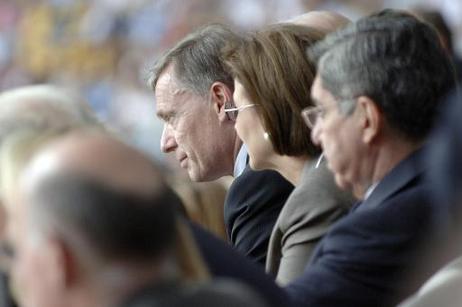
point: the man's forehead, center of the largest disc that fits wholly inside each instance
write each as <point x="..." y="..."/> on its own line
<point x="168" y="85"/>
<point x="168" y="93"/>
<point x="319" y="94"/>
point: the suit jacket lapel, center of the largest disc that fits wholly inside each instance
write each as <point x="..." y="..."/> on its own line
<point x="405" y="172"/>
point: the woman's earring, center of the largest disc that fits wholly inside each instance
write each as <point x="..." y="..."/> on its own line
<point x="266" y="136"/>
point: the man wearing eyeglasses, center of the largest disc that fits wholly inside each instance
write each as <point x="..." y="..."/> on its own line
<point x="194" y="93"/>
<point x="377" y="93"/>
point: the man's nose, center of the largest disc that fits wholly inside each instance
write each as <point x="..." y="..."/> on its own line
<point x="167" y="141"/>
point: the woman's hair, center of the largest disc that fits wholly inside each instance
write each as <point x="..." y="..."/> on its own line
<point x="276" y="74"/>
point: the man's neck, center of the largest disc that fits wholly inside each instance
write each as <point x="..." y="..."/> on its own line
<point x="237" y="147"/>
<point x="391" y="156"/>
<point x="386" y="158"/>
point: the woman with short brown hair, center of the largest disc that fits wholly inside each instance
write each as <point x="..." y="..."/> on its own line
<point x="273" y="78"/>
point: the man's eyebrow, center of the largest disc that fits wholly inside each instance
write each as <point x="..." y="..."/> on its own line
<point x="165" y="115"/>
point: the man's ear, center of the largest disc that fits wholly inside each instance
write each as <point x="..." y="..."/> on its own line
<point x="370" y="118"/>
<point x="221" y="98"/>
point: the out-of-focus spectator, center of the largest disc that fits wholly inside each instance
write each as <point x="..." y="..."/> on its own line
<point x="41" y="107"/>
<point x="49" y="43"/>
<point x="38" y="108"/>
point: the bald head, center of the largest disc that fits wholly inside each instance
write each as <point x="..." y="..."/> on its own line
<point x="104" y="198"/>
<point x="322" y="20"/>
<point x="98" y="156"/>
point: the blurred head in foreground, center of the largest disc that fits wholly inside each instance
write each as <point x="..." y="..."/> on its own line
<point x="90" y="221"/>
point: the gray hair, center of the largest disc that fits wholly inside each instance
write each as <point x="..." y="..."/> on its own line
<point x="197" y="59"/>
<point x="42" y="107"/>
<point x="392" y="58"/>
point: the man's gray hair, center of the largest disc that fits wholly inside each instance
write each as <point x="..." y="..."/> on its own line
<point x="42" y="107"/>
<point x="392" y="58"/>
<point x="197" y="59"/>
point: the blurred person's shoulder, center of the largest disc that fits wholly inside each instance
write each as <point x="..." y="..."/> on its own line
<point x="217" y="293"/>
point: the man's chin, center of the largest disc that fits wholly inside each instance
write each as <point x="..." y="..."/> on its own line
<point x="196" y="176"/>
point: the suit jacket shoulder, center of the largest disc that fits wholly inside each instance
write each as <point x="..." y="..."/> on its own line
<point x="224" y="262"/>
<point x="252" y="206"/>
<point x="306" y="216"/>
<point x="176" y="294"/>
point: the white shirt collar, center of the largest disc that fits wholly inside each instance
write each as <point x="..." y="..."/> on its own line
<point x="370" y="190"/>
<point x="241" y="161"/>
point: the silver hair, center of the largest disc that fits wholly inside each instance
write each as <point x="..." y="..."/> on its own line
<point x="197" y="59"/>
<point x="392" y="58"/>
<point x="42" y="107"/>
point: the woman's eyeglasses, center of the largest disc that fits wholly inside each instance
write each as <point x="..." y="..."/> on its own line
<point x="233" y="112"/>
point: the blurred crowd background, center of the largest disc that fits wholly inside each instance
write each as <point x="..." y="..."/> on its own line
<point x="103" y="48"/>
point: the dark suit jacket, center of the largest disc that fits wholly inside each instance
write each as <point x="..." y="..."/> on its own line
<point x="252" y="207"/>
<point x="363" y="259"/>
<point x="223" y="261"/>
<point x="5" y="296"/>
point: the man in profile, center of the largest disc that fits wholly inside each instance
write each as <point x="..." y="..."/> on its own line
<point x="377" y="93"/>
<point x="38" y="107"/>
<point x="192" y="88"/>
